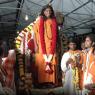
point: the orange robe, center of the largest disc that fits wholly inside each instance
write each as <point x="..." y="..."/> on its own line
<point x="89" y="73"/>
<point x="40" y="64"/>
<point x="89" y="60"/>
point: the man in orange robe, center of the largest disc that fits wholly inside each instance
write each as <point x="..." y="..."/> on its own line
<point x="89" y="66"/>
<point x="45" y="30"/>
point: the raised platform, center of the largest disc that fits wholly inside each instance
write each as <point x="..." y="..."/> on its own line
<point x="53" y="91"/>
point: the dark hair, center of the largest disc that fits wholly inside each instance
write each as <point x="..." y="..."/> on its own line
<point x="91" y="37"/>
<point x="72" y="40"/>
<point x="44" y="8"/>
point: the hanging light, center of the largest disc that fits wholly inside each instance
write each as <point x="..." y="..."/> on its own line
<point x="17" y="32"/>
<point x="26" y="17"/>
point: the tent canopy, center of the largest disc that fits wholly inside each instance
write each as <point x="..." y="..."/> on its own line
<point x="16" y="14"/>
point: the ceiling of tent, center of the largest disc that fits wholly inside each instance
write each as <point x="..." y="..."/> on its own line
<point x="79" y="14"/>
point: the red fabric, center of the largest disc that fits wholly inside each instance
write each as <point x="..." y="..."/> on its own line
<point x="92" y="92"/>
<point x="48" y="70"/>
<point x="8" y="66"/>
<point x="31" y="45"/>
<point x="54" y="32"/>
<point x="41" y="33"/>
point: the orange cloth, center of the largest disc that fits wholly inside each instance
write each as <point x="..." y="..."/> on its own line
<point x="39" y="60"/>
<point x="90" y="67"/>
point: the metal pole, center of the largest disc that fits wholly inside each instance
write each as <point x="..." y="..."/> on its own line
<point x="34" y="3"/>
<point x="7" y="22"/>
<point x="19" y="6"/>
<point x="8" y="14"/>
<point x="78" y="8"/>
<point x="7" y="1"/>
<point x="80" y="24"/>
<point x="77" y="13"/>
<point x="10" y="8"/>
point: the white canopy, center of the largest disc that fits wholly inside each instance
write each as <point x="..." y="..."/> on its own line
<point x="16" y="14"/>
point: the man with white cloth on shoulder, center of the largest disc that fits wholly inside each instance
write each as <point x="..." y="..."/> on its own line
<point x="71" y="66"/>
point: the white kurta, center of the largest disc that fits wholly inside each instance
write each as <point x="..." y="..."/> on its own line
<point x="68" y="85"/>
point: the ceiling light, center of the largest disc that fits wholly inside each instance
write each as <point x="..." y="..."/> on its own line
<point x="26" y="17"/>
<point x="17" y="32"/>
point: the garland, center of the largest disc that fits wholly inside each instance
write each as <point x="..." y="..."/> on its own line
<point x="54" y="33"/>
<point x="75" y="75"/>
<point x="20" y="62"/>
<point x="23" y="33"/>
<point x="75" y="70"/>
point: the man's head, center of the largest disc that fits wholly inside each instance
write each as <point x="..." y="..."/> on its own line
<point x="89" y="41"/>
<point x="72" y="44"/>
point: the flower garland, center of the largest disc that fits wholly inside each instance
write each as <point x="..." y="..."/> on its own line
<point x="42" y="39"/>
<point x="20" y="62"/>
<point x="75" y="70"/>
<point x="75" y="75"/>
<point x="23" y="33"/>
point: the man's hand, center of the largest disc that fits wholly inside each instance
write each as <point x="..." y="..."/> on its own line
<point x="50" y="57"/>
<point x="70" y="60"/>
<point x="84" y="68"/>
<point x="45" y="58"/>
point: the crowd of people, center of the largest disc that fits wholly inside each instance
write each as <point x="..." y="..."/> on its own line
<point x="78" y="67"/>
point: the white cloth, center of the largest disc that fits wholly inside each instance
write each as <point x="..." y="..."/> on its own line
<point x="68" y="85"/>
<point x="65" y="58"/>
<point x="48" y="58"/>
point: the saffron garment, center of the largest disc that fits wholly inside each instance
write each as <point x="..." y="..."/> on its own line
<point x="89" y="72"/>
<point x="70" y="77"/>
<point x="45" y="38"/>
